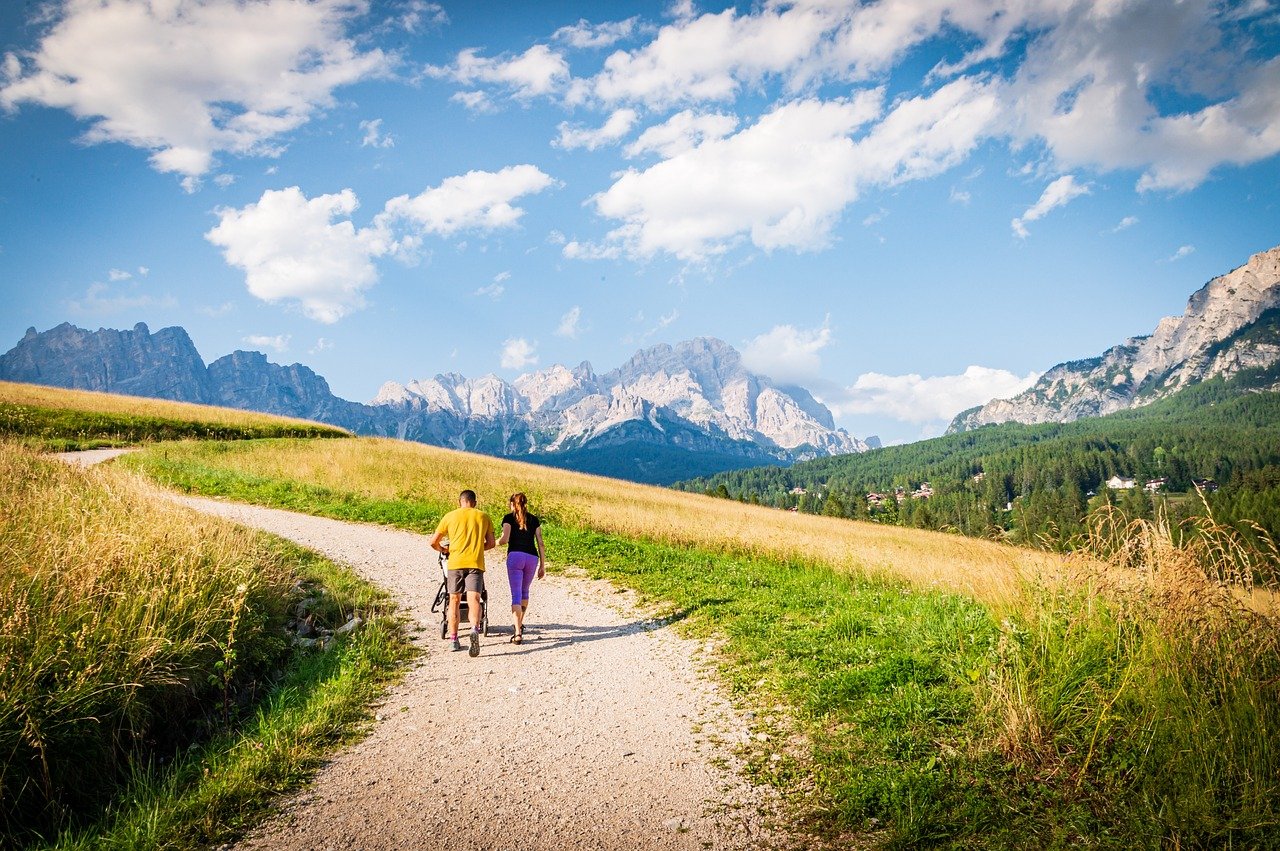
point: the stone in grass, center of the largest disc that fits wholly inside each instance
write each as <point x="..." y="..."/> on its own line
<point x="351" y="625"/>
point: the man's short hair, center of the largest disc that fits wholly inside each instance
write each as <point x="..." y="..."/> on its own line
<point x="468" y="496"/>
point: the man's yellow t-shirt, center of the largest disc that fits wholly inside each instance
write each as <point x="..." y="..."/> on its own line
<point x="466" y="529"/>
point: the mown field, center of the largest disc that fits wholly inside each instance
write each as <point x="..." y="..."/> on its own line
<point x="58" y="419"/>
<point x="914" y="688"/>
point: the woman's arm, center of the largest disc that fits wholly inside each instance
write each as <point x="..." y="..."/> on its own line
<point x="506" y="534"/>
<point x="542" y="553"/>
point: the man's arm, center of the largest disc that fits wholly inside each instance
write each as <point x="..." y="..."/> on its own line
<point x="489" y="541"/>
<point x="434" y="543"/>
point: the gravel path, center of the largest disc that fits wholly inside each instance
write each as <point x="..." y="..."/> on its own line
<point x="599" y="732"/>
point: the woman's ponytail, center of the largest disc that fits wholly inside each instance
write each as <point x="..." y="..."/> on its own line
<point x="520" y="503"/>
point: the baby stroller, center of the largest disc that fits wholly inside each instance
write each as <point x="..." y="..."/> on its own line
<point x="441" y="604"/>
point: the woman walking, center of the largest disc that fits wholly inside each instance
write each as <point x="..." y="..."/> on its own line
<point x="522" y="533"/>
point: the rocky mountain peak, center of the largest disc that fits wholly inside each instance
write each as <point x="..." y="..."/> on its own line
<point x="1208" y="340"/>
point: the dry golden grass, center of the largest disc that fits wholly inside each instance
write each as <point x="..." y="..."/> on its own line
<point x="57" y="398"/>
<point x="388" y="469"/>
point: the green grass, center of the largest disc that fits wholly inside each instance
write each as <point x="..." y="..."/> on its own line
<point x="1144" y="714"/>
<point x="880" y="679"/>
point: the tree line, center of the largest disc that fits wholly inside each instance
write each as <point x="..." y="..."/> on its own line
<point x="1214" y="447"/>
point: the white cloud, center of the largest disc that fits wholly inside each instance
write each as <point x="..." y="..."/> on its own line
<point x="118" y="275"/>
<point x="619" y="124"/>
<point x="517" y="353"/>
<point x="681" y="132"/>
<point x="292" y="249"/>
<point x="784" y="181"/>
<point x="1183" y="251"/>
<point x="187" y="80"/>
<point x="222" y="181"/>
<point x="475" y="200"/>
<point x="100" y="299"/>
<point x="538" y="71"/>
<point x="569" y="326"/>
<point x="787" y="354"/>
<point x="1094" y="89"/>
<point x="495" y="289"/>
<point x="475" y="101"/>
<point x="322" y="345"/>
<point x="1125" y="223"/>
<point x="280" y="342"/>
<point x="418" y="15"/>
<point x="373" y="135"/>
<point x="1058" y="193"/>
<point x="917" y="399"/>
<point x="584" y="35"/>
<point x="960" y="196"/>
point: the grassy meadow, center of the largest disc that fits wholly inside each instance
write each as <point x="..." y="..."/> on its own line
<point x="59" y="419"/>
<point x="150" y="694"/>
<point x="912" y="687"/>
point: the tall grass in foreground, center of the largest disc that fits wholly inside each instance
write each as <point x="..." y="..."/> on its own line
<point x="56" y="418"/>
<point x="130" y="628"/>
<point x="1147" y="685"/>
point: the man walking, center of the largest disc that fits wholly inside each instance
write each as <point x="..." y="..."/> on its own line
<point x="470" y="532"/>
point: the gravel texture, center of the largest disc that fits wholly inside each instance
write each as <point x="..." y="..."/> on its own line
<point x="602" y="731"/>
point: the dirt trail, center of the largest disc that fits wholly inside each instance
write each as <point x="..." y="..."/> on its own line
<point x="599" y="732"/>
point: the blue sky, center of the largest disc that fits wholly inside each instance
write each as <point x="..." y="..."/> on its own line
<point x="909" y="206"/>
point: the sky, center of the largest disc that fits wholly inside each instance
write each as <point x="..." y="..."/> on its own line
<point x="908" y="207"/>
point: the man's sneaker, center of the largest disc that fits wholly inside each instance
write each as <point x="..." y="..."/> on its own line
<point x="474" y="650"/>
<point x="457" y="645"/>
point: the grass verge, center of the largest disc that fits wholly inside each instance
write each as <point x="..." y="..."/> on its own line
<point x="150" y="693"/>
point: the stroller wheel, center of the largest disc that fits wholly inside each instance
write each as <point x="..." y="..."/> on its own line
<point x="444" y="628"/>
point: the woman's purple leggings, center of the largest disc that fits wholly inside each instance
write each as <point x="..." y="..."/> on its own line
<point x="521" y="568"/>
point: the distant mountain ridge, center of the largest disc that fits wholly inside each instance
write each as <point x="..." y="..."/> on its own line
<point x="1231" y="325"/>
<point x="695" y="402"/>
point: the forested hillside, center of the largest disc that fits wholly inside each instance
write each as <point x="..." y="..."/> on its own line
<point x="1216" y="446"/>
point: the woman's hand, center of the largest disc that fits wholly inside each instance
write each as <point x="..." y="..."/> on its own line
<point x="542" y="571"/>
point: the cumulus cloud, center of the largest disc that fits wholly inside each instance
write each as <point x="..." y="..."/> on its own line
<point x="585" y="35"/>
<point x="917" y="399"/>
<point x="291" y="249"/>
<point x="187" y="81"/>
<point x="787" y="354"/>
<point x="681" y="132"/>
<point x="308" y="251"/>
<point x="538" y="71"/>
<point x="619" y="124"/>
<point x="517" y="353"/>
<point x="1125" y="223"/>
<point x="477" y="199"/>
<point x="784" y="181"/>
<point x="569" y="326"/>
<point x="322" y="345"/>
<point x="1058" y="193"/>
<point x="1183" y="251"/>
<point x="279" y="342"/>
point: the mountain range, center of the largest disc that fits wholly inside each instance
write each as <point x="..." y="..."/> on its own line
<point x="668" y="413"/>
<point x="1230" y="325"/>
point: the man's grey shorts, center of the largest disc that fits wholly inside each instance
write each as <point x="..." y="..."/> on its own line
<point x="470" y="578"/>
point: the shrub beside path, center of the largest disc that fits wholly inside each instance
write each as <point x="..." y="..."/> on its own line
<point x="599" y="732"/>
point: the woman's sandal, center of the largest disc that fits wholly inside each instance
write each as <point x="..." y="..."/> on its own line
<point x="518" y="638"/>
